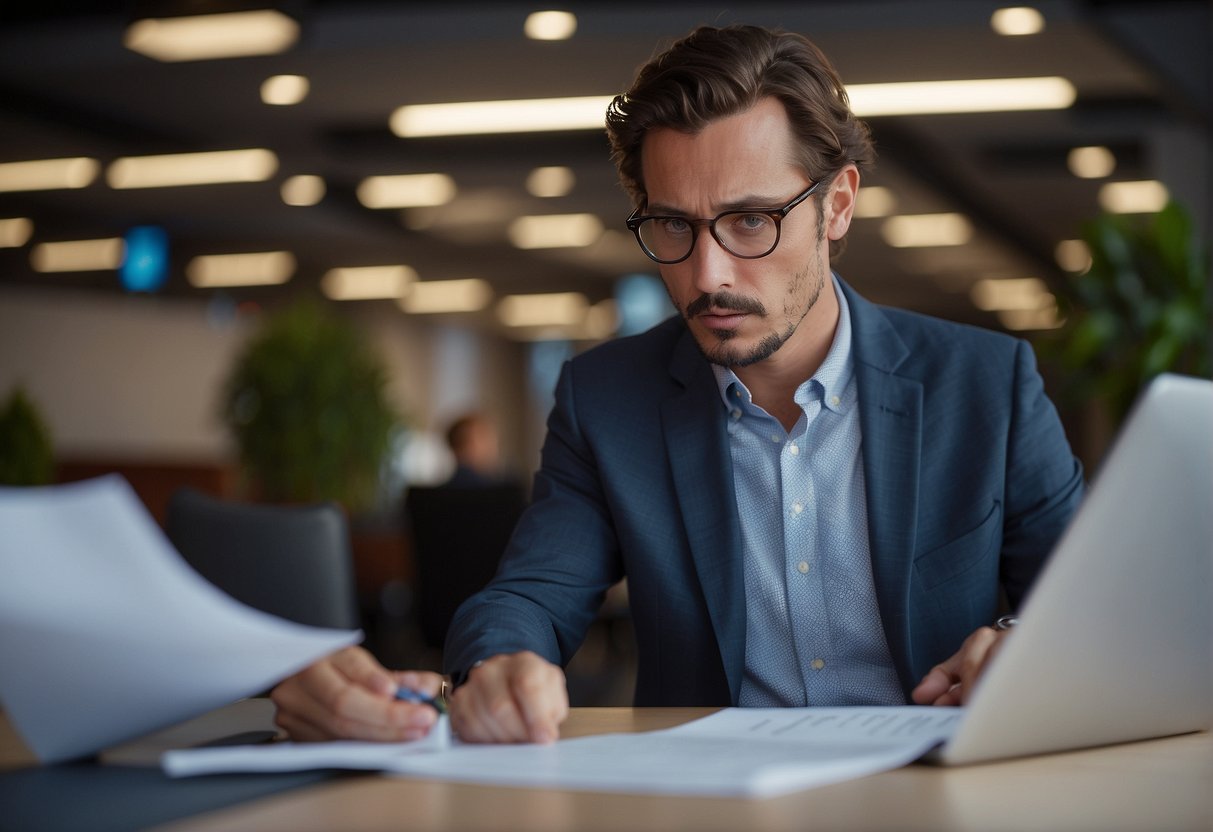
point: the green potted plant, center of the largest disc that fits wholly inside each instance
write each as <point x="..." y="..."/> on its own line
<point x="1142" y="308"/>
<point x="26" y="453"/>
<point x="306" y="403"/>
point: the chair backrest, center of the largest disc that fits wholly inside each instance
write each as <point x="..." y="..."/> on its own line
<point x="292" y="561"/>
<point x="458" y="536"/>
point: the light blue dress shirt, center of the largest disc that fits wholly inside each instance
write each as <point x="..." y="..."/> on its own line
<point x="813" y="630"/>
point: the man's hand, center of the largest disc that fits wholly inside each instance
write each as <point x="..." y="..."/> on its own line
<point x="349" y="695"/>
<point x="952" y="681"/>
<point x="514" y="697"/>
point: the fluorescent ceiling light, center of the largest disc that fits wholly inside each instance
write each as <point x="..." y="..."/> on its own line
<point x="1020" y="303"/>
<point x="48" y="174"/>
<point x="15" y="232"/>
<point x="1014" y="21"/>
<point x="599" y="322"/>
<point x="1030" y="319"/>
<point x="413" y="190"/>
<point x="514" y="116"/>
<point x="992" y="294"/>
<point x="874" y="201"/>
<point x="554" y="309"/>
<point x="177" y="169"/>
<point x="1143" y="197"/>
<point x="263" y="268"/>
<point x="367" y="282"/>
<point x="994" y="95"/>
<point x="199" y="37"/>
<point x="1091" y="162"/>
<point x="1073" y="256"/>
<point x="78" y="255"/>
<point x="550" y="181"/>
<point x="923" y="230"/>
<point x="555" y="231"/>
<point x="552" y="25"/>
<point x="284" y="90"/>
<point x="436" y="296"/>
<point x="302" y="190"/>
<point x="472" y="118"/>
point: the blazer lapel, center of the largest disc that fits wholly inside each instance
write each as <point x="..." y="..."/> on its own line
<point x="693" y="421"/>
<point x="890" y="416"/>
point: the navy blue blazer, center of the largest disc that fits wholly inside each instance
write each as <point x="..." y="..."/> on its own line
<point x="969" y="477"/>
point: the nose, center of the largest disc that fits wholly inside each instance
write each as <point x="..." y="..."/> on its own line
<point x="711" y="266"/>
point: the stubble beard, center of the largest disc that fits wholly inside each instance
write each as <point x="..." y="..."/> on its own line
<point x="716" y="345"/>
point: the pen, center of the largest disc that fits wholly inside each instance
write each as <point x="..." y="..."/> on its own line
<point x="410" y="695"/>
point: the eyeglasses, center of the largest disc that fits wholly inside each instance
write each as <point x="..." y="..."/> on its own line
<point x="748" y="233"/>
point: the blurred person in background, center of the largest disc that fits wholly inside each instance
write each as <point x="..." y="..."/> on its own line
<point x="475" y="444"/>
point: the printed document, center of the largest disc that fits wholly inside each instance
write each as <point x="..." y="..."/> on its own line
<point x="737" y="752"/>
<point x="106" y="633"/>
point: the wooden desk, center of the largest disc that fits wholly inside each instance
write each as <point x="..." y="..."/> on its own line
<point x="1158" y="784"/>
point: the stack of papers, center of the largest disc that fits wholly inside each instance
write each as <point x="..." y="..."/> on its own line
<point x="736" y="752"/>
<point x="106" y="633"/>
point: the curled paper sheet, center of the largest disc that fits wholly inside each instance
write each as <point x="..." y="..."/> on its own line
<point x="106" y="633"/>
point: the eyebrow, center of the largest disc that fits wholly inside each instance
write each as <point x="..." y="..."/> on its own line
<point x="749" y="201"/>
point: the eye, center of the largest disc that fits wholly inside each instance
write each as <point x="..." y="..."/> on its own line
<point x="673" y="225"/>
<point x="749" y="223"/>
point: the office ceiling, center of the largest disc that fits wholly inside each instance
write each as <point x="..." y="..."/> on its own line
<point x="68" y="87"/>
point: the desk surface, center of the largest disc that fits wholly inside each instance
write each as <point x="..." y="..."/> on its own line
<point x="1156" y="784"/>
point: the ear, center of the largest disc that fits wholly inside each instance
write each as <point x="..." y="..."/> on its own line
<point x="840" y="202"/>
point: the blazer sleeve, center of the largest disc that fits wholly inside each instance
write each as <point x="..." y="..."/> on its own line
<point x="1044" y="480"/>
<point x="559" y="563"/>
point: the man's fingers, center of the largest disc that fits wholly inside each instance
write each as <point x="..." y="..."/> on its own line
<point x="359" y="666"/>
<point x="517" y="697"/>
<point x="934" y="685"/>
<point x="952" y="681"/>
<point x="421" y="681"/>
<point x="348" y="696"/>
<point x="483" y="709"/>
<point x="974" y="654"/>
<point x="543" y="700"/>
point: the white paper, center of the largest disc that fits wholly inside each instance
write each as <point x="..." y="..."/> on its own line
<point x="290" y="756"/>
<point x="737" y="752"/>
<point x="106" y="633"/>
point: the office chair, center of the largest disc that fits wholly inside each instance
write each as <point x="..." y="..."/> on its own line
<point x="292" y="561"/>
<point x="458" y="534"/>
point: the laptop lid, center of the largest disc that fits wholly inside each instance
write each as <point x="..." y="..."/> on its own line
<point x="1114" y="642"/>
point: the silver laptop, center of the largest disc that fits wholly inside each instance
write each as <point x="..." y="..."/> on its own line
<point x="1115" y="642"/>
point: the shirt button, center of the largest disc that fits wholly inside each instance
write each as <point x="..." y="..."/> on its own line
<point x="797" y="508"/>
<point x="803" y="567"/>
<point x="834" y="400"/>
<point x="817" y="664"/>
<point x="775" y="437"/>
<point x="794" y="449"/>
<point x="736" y="413"/>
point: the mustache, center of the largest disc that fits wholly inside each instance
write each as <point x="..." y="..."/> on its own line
<point x="724" y="300"/>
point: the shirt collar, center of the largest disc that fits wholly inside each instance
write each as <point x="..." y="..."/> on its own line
<point x="831" y="379"/>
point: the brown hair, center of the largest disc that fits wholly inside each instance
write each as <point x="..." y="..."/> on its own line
<point x="717" y="72"/>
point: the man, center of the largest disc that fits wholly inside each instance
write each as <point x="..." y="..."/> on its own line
<point x="473" y="441"/>
<point x="824" y="511"/>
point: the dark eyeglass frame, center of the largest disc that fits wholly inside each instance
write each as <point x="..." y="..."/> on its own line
<point x="777" y="214"/>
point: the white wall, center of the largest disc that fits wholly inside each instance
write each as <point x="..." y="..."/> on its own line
<point x="137" y="377"/>
<point x="119" y="376"/>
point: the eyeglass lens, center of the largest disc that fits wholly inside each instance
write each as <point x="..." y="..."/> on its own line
<point x="743" y="234"/>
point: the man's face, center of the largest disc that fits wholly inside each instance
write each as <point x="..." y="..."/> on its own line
<point x="741" y="311"/>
